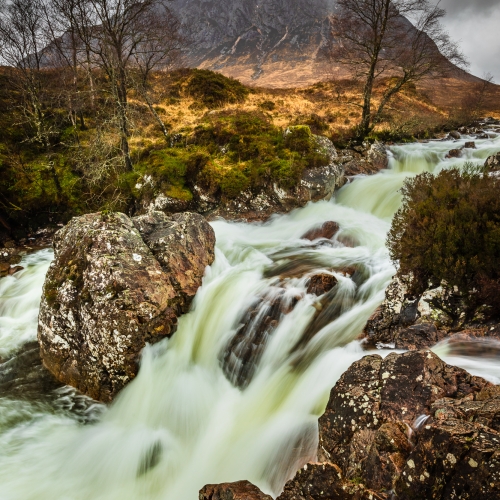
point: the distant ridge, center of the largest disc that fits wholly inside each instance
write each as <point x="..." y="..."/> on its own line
<point x="266" y="43"/>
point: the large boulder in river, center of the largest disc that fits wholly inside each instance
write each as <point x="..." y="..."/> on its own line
<point x="407" y="426"/>
<point x="116" y="284"/>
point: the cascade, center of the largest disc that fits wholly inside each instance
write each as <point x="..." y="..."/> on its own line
<point x="237" y="391"/>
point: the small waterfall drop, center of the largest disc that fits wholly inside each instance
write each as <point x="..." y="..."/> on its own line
<point x="206" y="408"/>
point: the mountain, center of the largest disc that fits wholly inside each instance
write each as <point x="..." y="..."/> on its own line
<point x="271" y="43"/>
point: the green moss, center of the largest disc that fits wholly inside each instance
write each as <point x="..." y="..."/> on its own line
<point x="233" y="183"/>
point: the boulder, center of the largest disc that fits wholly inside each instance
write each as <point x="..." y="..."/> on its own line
<point x="454" y="135"/>
<point x="415" y="322"/>
<point x="108" y="292"/>
<point x="493" y="163"/>
<point x="454" y="153"/>
<point x="240" y="490"/>
<point x="319" y="284"/>
<point x="326" y="230"/>
<point x="390" y="423"/>
<point x="323" y="481"/>
<point x="470" y="145"/>
<point x="369" y="162"/>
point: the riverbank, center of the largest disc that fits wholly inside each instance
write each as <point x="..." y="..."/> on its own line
<point x="183" y="423"/>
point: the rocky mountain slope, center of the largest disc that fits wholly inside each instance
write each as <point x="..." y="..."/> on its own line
<point x="271" y="43"/>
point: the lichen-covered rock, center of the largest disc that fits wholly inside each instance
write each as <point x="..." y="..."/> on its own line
<point x="493" y="163"/>
<point x="323" y="481"/>
<point x="240" y="490"/>
<point x="106" y="295"/>
<point x="407" y="426"/>
<point x="406" y="321"/>
<point x="453" y="459"/>
<point x="184" y="246"/>
<point x="368" y="161"/>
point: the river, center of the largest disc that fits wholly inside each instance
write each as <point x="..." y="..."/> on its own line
<point x="181" y="423"/>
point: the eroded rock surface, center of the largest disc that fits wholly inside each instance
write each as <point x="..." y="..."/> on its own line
<point x="109" y="291"/>
<point x="240" y="490"/>
<point x="408" y="426"/>
<point x="406" y="321"/>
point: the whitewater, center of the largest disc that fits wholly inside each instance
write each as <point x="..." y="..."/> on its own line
<point x="181" y="423"/>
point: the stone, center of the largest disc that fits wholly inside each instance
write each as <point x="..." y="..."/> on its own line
<point x="439" y="312"/>
<point x="454" y="153"/>
<point x="239" y="490"/>
<point x="470" y="145"/>
<point x="323" y="481"/>
<point x="15" y="269"/>
<point x="106" y="295"/>
<point x="454" y="135"/>
<point x="375" y="392"/>
<point x="405" y="427"/>
<point x="417" y="337"/>
<point x="493" y="163"/>
<point x="184" y="246"/>
<point x="327" y="230"/>
<point x="319" y="284"/>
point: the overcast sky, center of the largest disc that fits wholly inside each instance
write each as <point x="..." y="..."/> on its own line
<point x="476" y="25"/>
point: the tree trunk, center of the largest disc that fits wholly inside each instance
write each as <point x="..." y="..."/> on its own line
<point x="123" y="118"/>
<point x="155" y="114"/>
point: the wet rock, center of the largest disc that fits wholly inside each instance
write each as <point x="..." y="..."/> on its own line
<point x="405" y="427"/>
<point x="453" y="459"/>
<point x="493" y="162"/>
<point x="240" y="357"/>
<point x="439" y="307"/>
<point x="470" y="145"/>
<point x="240" y="490"/>
<point x="454" y="135"/>
<point x="365" y="429"/>
<point x="370" y="162"/>
<point x="319" y="284"/>
<point x="107" y="293"/>
<point x="323" y="481"/>
<point x="327" y="230"/>
<point x="4" y="268"/>
<point x="418" y="337"/>
<point x="454" y="153"/>
<point x="15" y="269"/>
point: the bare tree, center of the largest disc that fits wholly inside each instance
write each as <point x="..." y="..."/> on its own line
<point x="401" y="39"/>
<point x="23" y="38"/>
<point x="161" y="49"/>
<point x="473" y="104"/>
<point x="123" y="39"/>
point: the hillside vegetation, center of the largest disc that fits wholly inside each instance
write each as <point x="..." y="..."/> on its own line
<point x="219" y="133"/>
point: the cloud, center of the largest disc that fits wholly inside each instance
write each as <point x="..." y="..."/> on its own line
<point x="475" y="25"/>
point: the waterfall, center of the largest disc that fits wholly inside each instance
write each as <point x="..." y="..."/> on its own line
<point x="237" y="391"/>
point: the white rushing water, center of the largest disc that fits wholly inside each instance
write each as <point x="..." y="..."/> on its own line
<point x="181" y="424"/>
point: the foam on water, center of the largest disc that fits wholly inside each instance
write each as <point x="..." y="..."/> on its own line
<point x="181" y="424"/>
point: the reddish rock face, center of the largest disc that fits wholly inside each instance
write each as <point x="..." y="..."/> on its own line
<point x="320" y="284"/>
<point x="327" y="230"/>
<point x="240" y="490"/>
<point x="108" y="292"/>
<point x="372" y="443"/>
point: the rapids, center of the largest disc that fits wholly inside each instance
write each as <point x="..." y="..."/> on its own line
<point x="181" y="424"/>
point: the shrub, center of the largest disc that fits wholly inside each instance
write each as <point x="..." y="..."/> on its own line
<point x="267" y="105"/>
<point x="448" y="228"/>
<point x="213" y="90"/>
